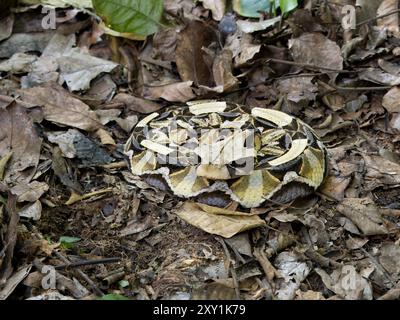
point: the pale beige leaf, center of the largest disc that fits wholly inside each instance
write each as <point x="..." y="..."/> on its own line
<point x="218" y="221"/>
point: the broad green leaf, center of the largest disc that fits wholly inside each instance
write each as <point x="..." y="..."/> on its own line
<point x="113" y="297"/>
<point x="139" y="18"/>
<point x="253" y="8"/>
<point x="287" y="5"/>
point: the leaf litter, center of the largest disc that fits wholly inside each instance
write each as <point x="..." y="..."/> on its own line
<point x="70" y="97"/>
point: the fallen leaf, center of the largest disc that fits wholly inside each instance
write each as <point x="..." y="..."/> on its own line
<point x="391" y="100"/>
<point x="78" y="69"/>
<point x="250" y="26"/>
<point x="29" y="192"/>
<point x="19" y="136"/>
<point x="174" y="92"/>
<point x="218" y="221"/>
<point x="217" y="7"/>
<point x="18" y="63"/>
<point x="390" y="22"/>
<point x="347" y="283"/>
<point x="105" y="137"/>
<point x="61" y="108"/>
<point x="316" y="49"/>
<point x="364" y="214"/>
<point x="192" y="60"/>
<point x="334" y="187"/>
<point x="32" y="211"/>
<point x="6" y="26"/>
<point x="136" y="104"/>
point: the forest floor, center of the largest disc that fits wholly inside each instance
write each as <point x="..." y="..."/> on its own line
<point x="70" y="96"/>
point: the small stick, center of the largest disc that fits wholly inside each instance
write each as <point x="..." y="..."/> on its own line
<point x="306" y="65"/>
<point x="96" y="290"/>
<point x="86" y="263"/>
<point x="377" y="18"/>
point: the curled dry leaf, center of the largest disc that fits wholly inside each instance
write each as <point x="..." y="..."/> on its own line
<point x="105" y="137"/>
<point x="225" y="223"/>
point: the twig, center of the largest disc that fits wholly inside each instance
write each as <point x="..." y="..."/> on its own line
<point x="86" y="263"/>
<point x="307" y="65"/>
<point x="96" y="290"/>
<point x="377" y="18"/>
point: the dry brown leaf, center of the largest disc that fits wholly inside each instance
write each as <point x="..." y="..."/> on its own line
<point x="174" y="92"/>
<point x="192" y="60"/>
<point x="218" y="221"/>
<point x="390" y="22"/>
<point x="391" y="100"/>
<point x="334" y="187"/>
<point x="105" y="137"/>
<point x="29" y="191"/>
<point x="217" y="8"/>
<point x="364" y="214"/>
<point x="18" y="135"/>
<point x="136" y="104"/>
<point x="347" y="283"/>
<point x="222" y="71"/>
<point x="380" y="171"/>
<point x="164" y="44"/>
<point x="316" y="49"/>
<point x="61" y="108"/>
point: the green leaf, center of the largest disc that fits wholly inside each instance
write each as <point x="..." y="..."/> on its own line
<point x="139" y="18"/>
<point x="287" y="5"/>
<point x="112" y="296"/>
<point x="253" y="8"/>
<point x="68" y="242"/>
<point x="123" y="283"/>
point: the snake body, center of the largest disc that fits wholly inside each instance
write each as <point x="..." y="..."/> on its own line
<point x="217" y="152"/>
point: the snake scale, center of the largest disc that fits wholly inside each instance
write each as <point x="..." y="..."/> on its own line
<point x="216" y="152"/>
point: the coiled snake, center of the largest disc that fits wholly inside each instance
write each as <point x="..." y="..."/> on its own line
<point x="217" y="152"/>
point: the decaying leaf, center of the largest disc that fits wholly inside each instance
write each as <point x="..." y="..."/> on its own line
<point x="19" y="136"/>
<point x="29" y="192"/>
<point x="364" y="214"/>
<point x="194" y="63"/>
<point x="61" y="108"/>
<point x="347" y="283"/>
<point x="316" y="49"/>
<point x="174" y="92"/>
